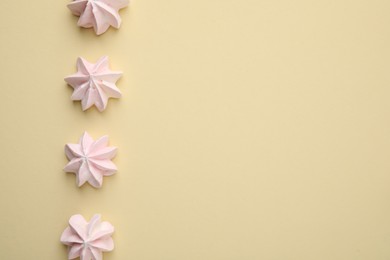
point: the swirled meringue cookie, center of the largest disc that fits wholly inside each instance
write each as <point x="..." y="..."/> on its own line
<point x="87" y="240"/>
<point x="94" y="83"/>
<point x="99" y="14"/>
<point x="90" y="160"/>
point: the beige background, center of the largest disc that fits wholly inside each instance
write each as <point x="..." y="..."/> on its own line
<point x="247" y="130"/>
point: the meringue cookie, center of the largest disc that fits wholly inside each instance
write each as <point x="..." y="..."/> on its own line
<point x="99" y="14"/>
<point x="88" y="240"/>
<point x="94" y="83"/>
<point x="90" y="160"/>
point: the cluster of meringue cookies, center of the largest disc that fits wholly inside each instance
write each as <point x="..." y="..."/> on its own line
<point x="93" y="84"/>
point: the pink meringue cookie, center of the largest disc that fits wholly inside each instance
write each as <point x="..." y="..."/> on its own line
<point x="88" y="240"/>
<point x="99" y="14"/>
<point x="94" y="83"/>
<point x="90" y="160"/>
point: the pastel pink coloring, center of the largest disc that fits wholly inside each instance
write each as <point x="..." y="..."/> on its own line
<point x="94" y="83"/>
<point x="90" y="160"/>
<point x="99" y="14"/>
<point x="88" y="240"/>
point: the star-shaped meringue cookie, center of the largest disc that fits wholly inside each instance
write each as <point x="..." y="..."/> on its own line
<point x="99" y="14"/>
<point x="90" y="160"/>
<point x="94" y="83"/>
<point x="87" y="240"/>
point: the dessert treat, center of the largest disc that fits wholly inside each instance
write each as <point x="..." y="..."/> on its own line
<point x="94" y="83"/>
<point x="90" y="160"/>
<point x="88" y="240"/>
<point x="99" y="14"/>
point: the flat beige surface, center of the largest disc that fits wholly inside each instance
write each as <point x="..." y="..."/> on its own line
<point x="247" y="130"/>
